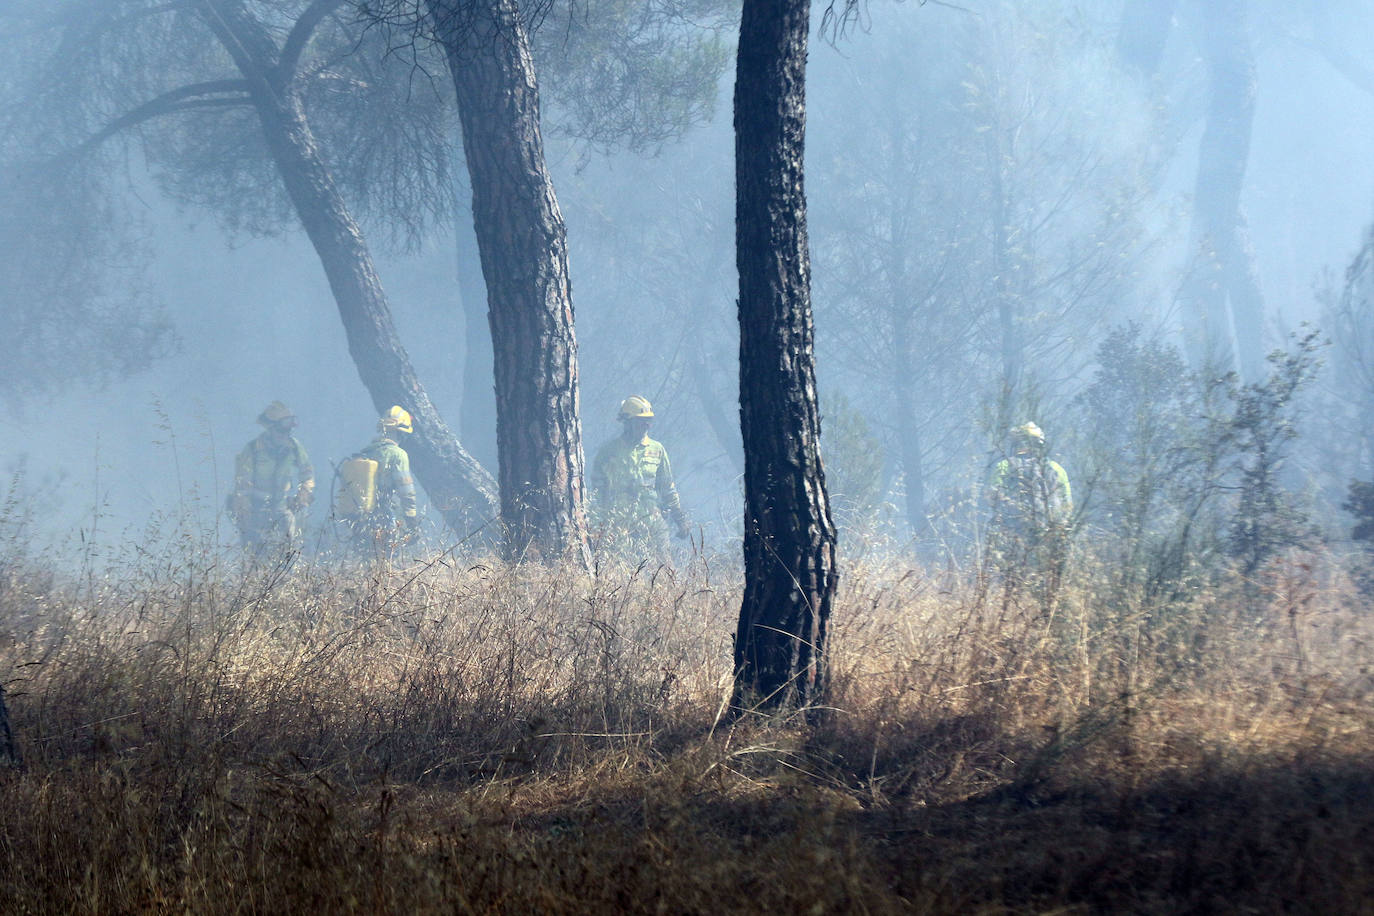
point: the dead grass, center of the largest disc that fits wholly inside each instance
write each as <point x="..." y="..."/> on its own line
<point x="470" y="737"/>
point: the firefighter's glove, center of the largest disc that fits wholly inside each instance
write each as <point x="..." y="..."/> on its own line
<point x="412" y="522"/>
<point x="682" y="530"/>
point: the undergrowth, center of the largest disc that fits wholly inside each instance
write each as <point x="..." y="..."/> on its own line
<point x="472" y="737"/>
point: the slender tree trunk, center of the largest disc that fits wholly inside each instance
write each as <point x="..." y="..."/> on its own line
<point x="789" y="537"/>
<point x="904" y="373"/>
<point x="459" y="487"/>
<point x="908" y="434"/>
<point x="9" y="751"/>
<point x="1008" y="321"/>
<point x="524" y="251"/>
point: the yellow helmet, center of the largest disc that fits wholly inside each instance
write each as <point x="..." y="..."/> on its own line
<point x="1029" y="432"/>
<point x="635" y="406"/>
<point x="276" y="413"/>
<point x="397" y="418"/>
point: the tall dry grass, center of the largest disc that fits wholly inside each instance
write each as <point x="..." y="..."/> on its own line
<point x="472" y="737"/>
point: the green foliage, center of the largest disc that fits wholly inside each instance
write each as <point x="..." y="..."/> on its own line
<point x="626" y="73"/>
<point x="1263" y="427"/>
<point x="1184" y="470"/>
<point x="74" y="295"/>
<point x="1359" y="502"/>
<point x="1149" y="458"/>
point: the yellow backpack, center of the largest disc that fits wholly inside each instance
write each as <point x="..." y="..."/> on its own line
<point x="357" y="492"/>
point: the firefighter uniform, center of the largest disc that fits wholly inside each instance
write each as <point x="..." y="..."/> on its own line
<point x="1032" y="512"/>
<point x="633" y="491"/>
<point x="383" y="516"/>
<point x="395" y="486"/>
<point x="274" y="483"/>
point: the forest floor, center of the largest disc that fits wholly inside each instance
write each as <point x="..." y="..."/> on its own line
<point x="448" y="736"/>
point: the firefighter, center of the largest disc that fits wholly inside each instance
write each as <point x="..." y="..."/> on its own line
<point x="274" y="483"/>
<point x="1029" y="490"/>
<point x="1032" y="508"/>
<point x="632" y="488"/>
<point x="376" y="496"/>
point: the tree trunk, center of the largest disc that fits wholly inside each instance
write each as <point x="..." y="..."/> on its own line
<point x="9" y="751"/>
<point x="789" y="537"/>
<point x="524" y="252"/>
<point x="1012" y="347"/>
<point x="460" y="488"/>
<point x="1145" y="27"/>
<point x="908" y="432"/>
<point x="478" y="417"/>
<point x="1224" y="272"/>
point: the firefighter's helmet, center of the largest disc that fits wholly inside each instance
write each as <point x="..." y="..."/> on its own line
<point x="1028" y="433"/>
<point x="277" y="414"/>
<point x="635" y="407"/>
<point x="397" y="419"/>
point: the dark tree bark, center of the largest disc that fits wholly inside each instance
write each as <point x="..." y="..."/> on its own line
<point x="524" y="252"/>
<point x="9" y="751"/>
<point x="459" y="487"/>
<point x="478" y="418"/>
<point x="789" y="537"/>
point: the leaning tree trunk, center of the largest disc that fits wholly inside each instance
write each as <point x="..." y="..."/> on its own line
<point x="523" y="245"/>
<point x="460" y="488"/>
<point x="789" y="538"/>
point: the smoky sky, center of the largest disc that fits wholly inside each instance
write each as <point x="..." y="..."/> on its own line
<point x="653" y="272"/>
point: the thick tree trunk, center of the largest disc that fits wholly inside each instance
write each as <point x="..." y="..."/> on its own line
<point x="789" y="537"/>
<point x="478" y="418"/>
<point x="1224" y="271"/>
<point x="524" y="252"/>
<point x="460" y="488"/>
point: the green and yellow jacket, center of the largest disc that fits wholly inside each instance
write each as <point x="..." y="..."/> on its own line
<point x="269" y="472"/>
<point x="634" y="480"/>
<point x="395" y="486"/>
<point x="1031" y="491"/>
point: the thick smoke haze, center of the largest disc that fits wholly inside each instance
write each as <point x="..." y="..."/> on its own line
<point x="652" y="260"/>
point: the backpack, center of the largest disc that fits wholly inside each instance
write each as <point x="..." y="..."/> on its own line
<point x="356" y="495"/>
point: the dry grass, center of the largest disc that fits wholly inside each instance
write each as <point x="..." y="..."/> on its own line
<point x="477" y="738"/>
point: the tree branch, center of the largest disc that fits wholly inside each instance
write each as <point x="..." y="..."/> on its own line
<point x="301" y="32"/>
<point x="185" y="98"/>
<point x="1326" y="42"/>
